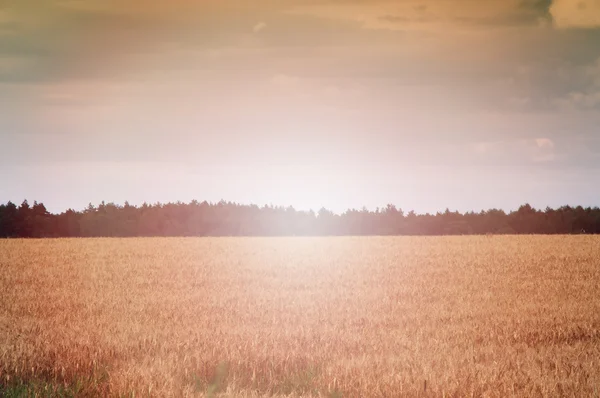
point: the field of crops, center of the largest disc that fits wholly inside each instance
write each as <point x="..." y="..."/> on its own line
<point x="452" y="316"/>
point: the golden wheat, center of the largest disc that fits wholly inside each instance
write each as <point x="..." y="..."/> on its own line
<point x="355" y="317"/>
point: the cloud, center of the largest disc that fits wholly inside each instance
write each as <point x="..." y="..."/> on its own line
<point x="541" y="150"/>
<point x="259" y="26"/>
<point x="593" y="73"/>
<point x="580" y="100"/>
<point x="519" y="102"/>
<point x="588" y="97"/>
<point x="405" y="43"/>
<point x="576" y="13"/>
<point x="395" y="18"/>
<point x="433" y="14"/>
<point x="286" y="81"/>
<point x="536" y="150"/>
<point x="544" y="143"/>
<point x="108" y="38"/>
<point x="490" y="14"/>
<point x="483" y="148"/>
<point x="11" y="64"/>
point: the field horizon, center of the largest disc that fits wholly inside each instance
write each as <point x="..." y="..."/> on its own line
<point x="304" y="316"/>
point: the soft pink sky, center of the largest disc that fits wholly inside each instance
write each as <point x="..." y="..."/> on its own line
<point x="426" y="104"/>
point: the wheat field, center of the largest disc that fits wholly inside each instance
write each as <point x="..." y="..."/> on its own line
<point x="340" y="317"/>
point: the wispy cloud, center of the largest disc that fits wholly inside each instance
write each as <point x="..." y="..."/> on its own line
<point x="576" y="13"/>
<point x="544" y="143"/>
<point x="285" y="81"/>
<point x="259" y="27"/>
<point x="433" y="14"/>
<point x="588" y="97"/>
<point x="536" y="150"/>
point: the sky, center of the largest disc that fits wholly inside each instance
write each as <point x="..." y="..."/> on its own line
<point x="425" y="104"/>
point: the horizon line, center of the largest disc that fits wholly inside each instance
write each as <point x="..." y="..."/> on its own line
<point x="314" y="210"/>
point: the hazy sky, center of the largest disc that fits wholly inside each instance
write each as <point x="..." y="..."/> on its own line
<point x="426" y="104"/>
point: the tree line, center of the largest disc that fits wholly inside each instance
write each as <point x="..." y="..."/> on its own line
<point x="232" y="219"/>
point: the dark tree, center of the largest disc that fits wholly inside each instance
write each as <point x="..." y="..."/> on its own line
<point x="232" y="219"/>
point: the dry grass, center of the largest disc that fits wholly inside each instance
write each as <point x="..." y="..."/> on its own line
<point x="456" y="316"/>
